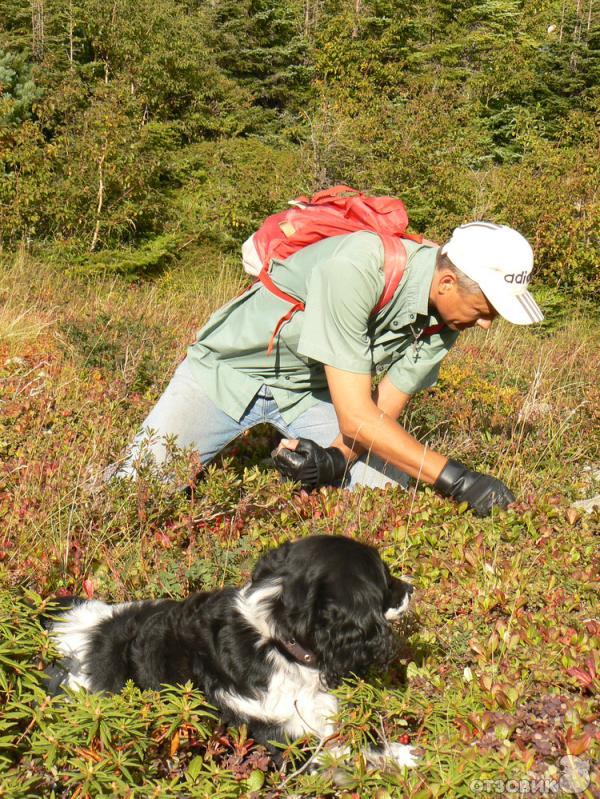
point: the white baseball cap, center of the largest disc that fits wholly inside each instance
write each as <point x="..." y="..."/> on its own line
<point x="499" y="260"/>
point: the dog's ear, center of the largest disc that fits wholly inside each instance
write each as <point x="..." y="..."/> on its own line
<point x="295" y="608"/>
<point x="273" y="564"/>
<point x="351" y="641"/>
<point x="348" y="634"/>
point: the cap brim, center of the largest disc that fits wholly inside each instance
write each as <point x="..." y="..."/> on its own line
<point x="520" y="309"/>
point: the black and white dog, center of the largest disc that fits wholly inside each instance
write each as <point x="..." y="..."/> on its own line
<point x="315" y="611"/>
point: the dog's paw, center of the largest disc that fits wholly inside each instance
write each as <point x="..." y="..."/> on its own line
<point x="392" y="754"/>
<point x="336" y="760"/>
<point x="402" y="754"/>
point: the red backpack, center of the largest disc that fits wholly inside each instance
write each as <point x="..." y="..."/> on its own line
<point x="332" y="212"/>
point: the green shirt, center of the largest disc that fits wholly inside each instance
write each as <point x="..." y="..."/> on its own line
<point x="340" y="280"/>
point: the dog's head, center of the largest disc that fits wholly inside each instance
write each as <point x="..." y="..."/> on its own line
<point x="337" y="599"/>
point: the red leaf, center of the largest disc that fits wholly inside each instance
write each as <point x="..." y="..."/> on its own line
<point x="577" y="746"/>
<point x="582" y="676"/>
<point x="163" y="539"/>
<point x="88" y="587"/>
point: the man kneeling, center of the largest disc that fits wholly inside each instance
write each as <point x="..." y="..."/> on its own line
<point x="315" y="386"/>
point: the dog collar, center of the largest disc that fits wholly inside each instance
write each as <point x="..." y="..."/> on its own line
<point x="301" y="655"/>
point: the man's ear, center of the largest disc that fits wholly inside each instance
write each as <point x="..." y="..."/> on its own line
<point x="446" y="282"/>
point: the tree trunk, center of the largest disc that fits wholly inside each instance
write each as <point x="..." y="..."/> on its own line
<point x="357" y="9"/>
<point x="37" y="29"/>
<point x="100" y="197"/>
<point x="562" y="21"/>
<point x="71" y="28"/>
<point x="576" y="36"/>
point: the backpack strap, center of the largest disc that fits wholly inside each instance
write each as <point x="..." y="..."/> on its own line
<point x="297" y="305"/>
<point x="429" y="331"/>
<point x="394" y="264"/>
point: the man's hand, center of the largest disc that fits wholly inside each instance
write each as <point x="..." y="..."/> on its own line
<point x="480" y="491"/>
<point x="309" y="464"/>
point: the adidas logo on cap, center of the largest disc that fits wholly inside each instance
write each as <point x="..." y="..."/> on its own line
<point x="522" y="277"/>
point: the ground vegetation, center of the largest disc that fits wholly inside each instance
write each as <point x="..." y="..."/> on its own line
<point x="140" y="143"/>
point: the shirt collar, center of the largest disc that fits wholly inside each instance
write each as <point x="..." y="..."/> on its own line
<point x="424" y="286"/>
<point x="419" y="278"/>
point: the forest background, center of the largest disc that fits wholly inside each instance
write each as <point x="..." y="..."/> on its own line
<point x="135" y="133"/>
<point x="140" y="143"/>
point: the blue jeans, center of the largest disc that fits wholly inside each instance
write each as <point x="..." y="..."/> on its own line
<point x="186" y="413"/>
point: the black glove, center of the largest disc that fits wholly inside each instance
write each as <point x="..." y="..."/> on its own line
<point x="481" y="491"/>
<point x="309" y="464"/>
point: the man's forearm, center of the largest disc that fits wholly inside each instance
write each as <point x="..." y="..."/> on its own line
<point x="387" y="438"/>
<point x="389" y="403"/>
<point x="388" y="399"/>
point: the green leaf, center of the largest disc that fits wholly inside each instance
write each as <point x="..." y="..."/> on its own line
<point x="194" y="768"/>
<point x="256" y="780"/>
